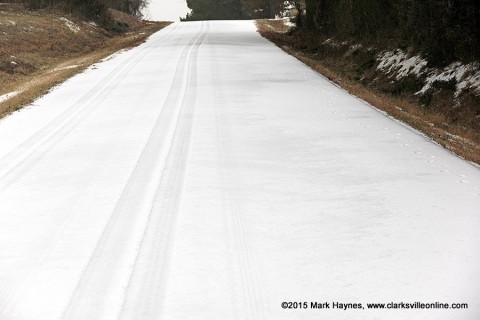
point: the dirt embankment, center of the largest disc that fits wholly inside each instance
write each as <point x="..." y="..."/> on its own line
<point x="40" y="49"/>
<point x="443" y="103"/>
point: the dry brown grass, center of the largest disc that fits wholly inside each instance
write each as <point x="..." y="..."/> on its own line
<point x="461" y="140"/>
<point x="38" y="50"/>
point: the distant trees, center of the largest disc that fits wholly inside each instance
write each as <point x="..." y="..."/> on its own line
<point x="444" y="29"/>
<point x="90" y="8"/>
<point x="262" y="8"/>
<point x="233" y="9"/>
<point x="214" y="10"/>
<point x="133" y="7"/>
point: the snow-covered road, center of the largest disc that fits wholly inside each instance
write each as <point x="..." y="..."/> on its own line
<point x="208" y="175"/>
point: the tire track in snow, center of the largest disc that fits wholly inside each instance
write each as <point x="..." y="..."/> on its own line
<point x="40" y="247"/>
<point x="17" y="282"/>
<point x="24" y="157"/>
<point x="251" y="304"/>
<point x="123" y="233"/>
<point x="230" y="263"/>
<point x="35" y="255"/>
<point x="147" y="286"/>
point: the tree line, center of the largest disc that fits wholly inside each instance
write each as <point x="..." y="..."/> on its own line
<point x="444" y="30"/>
<point x="233" y="9"/>
<point x="94" y="9"/>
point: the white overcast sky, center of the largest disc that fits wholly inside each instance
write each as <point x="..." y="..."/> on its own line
<point x="166" y="10"/>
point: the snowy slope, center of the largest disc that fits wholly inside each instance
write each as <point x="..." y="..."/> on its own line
<point x="208" y="175"/>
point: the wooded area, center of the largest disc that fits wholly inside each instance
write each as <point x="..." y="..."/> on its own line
<point x="233" y="9"/>
<point x="93" y="9"/>
<point x="443" y="30"/>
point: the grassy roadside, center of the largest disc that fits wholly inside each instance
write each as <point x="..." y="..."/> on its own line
<point x="456" y="137"/>
<point x="39" y="50"/>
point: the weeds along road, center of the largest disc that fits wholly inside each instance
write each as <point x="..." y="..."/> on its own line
<point x="208" y="175"/>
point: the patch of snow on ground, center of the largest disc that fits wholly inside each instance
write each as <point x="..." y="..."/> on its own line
<point x="91" y="24"/>
<point x="399" y="63"/>
<point x="337" y="44"/>
<point x="466" y="76"/>
<point x="288" y="23"/>
<point x="71" y="25"/>
<point x="334" y="43"/>
<point x="65" y="68"/>
<point x="8" y="95"/>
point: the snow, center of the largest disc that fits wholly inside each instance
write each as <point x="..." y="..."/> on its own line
<point x="399" y="63"/>
<point x="91" y="24"/>
<point x="356" y="46"/>
<point x="72" y="26"/>
<point x="337" y="44"/>
<point x="287" y="22"/>
<point x="334" y="43"/>
<point x="465" y="77"/>
<point x="174" y="182"/>
<point x="73" y="66"/>
<point x="9" y="95"/>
